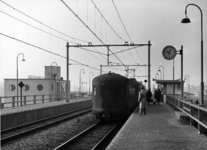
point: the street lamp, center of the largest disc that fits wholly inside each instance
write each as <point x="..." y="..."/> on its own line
<point x="160" y="74"/>
<point x="51" y="87"/>
<point x="17" y="77"/>
<point x="187" y="76"/>
<point x="90" y="82"/>
<point x="187" y="20"/>
<point x="163" y="71"/>
<point x="80" y="79"/>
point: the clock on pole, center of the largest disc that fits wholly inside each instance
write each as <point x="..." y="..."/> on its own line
<point x="169" y="52"/>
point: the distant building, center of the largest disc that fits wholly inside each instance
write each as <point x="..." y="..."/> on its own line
<point x="51" y="83"/>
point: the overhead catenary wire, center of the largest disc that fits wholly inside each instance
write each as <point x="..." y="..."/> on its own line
<point x="88" y="28"/>
<point x="124" y="28"/>
<point x="121" y="21"/>
<point x="46" y="50"/>
<point x="37" y="28"/>
<point x="138" y="55"/>
<point x="49" y="34"/>
<point x="54" y="35"/>
<point x="44" y="24"/>
<point x="107" y="21"/>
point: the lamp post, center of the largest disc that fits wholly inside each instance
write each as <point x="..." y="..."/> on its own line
<point x="187" y="76"/>
<point x="17" y="77"/>
<point x="163" y="71"/>
<point x="161" y="84"/>
<point x="80" y="79"/>
<point x="187" y="20"/>
<point x="51" y="87"/>
<point x="158" y="78"/>
<point x="90" y="83"/>
<point x="160" y="74"/>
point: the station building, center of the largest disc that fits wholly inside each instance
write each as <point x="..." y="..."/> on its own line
<point x="166" y="86"/>
<point x="51" y="84"/>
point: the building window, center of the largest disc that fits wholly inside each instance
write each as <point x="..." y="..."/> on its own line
<point x="26" y="87"/>
<point x="12" y="87"/>
<point x="40" y="87"/>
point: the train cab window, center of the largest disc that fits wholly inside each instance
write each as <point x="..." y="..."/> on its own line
<point x="94" y="91"/>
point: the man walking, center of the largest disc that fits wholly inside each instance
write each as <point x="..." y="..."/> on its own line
<point x="142" y="101"/>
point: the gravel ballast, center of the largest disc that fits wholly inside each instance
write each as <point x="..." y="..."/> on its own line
<point x="52" y="137"/>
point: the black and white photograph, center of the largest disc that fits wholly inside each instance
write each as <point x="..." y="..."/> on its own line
<point x="103" y="74"/>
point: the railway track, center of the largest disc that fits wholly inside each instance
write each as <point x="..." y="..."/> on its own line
<point x="92" y="138"/>
<point x="26" y="129"/>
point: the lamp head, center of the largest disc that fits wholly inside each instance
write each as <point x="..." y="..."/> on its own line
<point x="23" y="59"/>
<point x="83" y="72"/>
<point x="185" y="20"/>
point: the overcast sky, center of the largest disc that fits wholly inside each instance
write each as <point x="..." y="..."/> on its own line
<point x="157" y="21"/>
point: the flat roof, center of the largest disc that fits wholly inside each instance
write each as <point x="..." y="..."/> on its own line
<point x="167" y="81"/>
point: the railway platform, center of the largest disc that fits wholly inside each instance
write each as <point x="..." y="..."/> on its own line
<point x="15" y="116"/>
<point x="158" y="130"/>
<point x="12" y="110"/>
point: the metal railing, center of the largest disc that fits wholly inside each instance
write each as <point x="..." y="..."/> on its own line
<point x="11" y="101"/>
<point x="197" y="113"/>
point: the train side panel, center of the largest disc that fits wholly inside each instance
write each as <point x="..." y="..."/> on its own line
<point x="133" y="93"/>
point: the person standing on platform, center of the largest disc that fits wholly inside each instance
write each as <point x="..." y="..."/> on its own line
<point x="142" y="101"/>
<point x="149" y="96"/>
<point x="158" y="96"/>
<point x="155" y="97"/>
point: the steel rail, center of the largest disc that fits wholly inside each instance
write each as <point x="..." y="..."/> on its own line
<point x="46" y="125"/>
<point x="94" y="139"/>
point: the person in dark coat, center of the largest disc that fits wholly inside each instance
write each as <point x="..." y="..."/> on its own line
<point x="155" y="97"/>
<point x="142" y="101"/>
<point x="149" y="96"/>
<point x="158" y="96"/>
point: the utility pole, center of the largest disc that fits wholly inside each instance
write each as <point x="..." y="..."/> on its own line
<point x="67" y="72"/>
<point x="120" y="45"/>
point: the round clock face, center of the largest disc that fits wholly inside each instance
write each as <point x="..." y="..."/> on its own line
<point x="169" y="52"/>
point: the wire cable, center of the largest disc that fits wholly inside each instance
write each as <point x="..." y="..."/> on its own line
<point x="124" y="29"/>
<point x="106" y="21"/>
<point x="54" y="35"/>
<point x="46" y="50"/>
<point x="43" y="23"/>
<point x="89" y="28"/>
<point x="121" y="21"/>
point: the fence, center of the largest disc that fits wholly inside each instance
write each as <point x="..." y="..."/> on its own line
<point x="11" y="101"/>
<point x="197" y="113"/>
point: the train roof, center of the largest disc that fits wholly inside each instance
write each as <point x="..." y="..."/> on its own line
<point x="111" y="77"/>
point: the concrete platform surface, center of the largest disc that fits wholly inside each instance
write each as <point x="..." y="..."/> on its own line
<point x="6" y="111"/>
<point x="158" y="130"/>
<point x="17" y="116"/>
